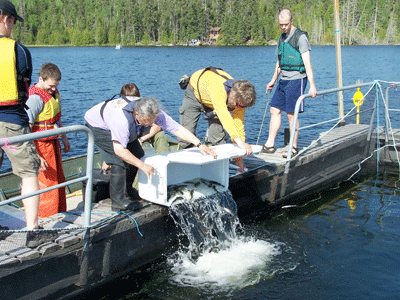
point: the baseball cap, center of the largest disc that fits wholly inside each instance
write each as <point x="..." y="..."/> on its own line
<point x="7" y="8"/>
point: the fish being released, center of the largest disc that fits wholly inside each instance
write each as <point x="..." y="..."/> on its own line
<point x="206" y="213"/>
<point x="193" y="189"/>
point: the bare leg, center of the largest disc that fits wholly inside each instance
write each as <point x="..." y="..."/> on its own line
<point x="31" y="204"/>
<point x="290" y="119"/>
<point x="274" y="125"/>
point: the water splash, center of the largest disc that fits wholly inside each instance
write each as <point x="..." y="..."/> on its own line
<point x="216" y="257"/>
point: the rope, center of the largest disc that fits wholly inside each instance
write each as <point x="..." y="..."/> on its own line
<point x="390" y="129"/>
<point x="314" y="142"/>
<point x="137" y="225"/>
<point x="265" y="112"/>
<point x="79" y="227"/>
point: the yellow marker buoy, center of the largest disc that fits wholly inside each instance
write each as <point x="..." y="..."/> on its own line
<point x="358" y="100"/>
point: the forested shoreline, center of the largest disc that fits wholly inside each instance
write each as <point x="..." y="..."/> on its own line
<point x="174" y="22"/>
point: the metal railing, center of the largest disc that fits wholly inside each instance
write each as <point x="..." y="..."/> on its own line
<point x="389" y="109"/>
<point x="293" y="128"/>
<point x="89" y="164"/>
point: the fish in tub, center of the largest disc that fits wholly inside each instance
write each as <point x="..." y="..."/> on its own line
<point x="177" y="167"/>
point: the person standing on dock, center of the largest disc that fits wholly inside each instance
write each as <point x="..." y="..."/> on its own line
<point x="116" y="126"/>
<point x="15" y="78"/>
<point x="44" y="113"/>
<point x="223" y="100"/>
<point x="294" y="66"/>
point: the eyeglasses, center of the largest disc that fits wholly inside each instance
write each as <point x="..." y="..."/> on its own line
<point x="239" y="105"/>
<point x="145" y="121"/>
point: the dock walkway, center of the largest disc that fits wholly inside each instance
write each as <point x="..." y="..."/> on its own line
<point x="116" y="242"/>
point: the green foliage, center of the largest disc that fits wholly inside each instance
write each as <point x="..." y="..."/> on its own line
<point x="128" y="22"/>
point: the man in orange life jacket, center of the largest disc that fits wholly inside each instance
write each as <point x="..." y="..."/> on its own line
<point x="15" y="77"/>
<point x="45" y="114"/>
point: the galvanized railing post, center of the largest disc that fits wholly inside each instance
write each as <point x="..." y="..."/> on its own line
<point x="89" y="177"/>
<point x="296" y="115"/>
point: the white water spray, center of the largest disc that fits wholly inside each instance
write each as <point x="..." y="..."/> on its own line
<point x="216" y="259"/>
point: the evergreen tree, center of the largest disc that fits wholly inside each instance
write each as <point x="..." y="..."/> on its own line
<point x="102" y="22"/>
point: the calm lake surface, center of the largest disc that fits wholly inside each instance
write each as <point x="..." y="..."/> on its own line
<point x="345" y="244"/>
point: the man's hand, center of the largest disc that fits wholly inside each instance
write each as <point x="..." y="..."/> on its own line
<point x="43" y="164"/>
<point x="270" y="86"/>
<point x="313" y="91"/>
<point x="207" y="150"/>
<point x="243" y="145"/>
<point x="67" y="145"/>
<point x="148" y="170"/>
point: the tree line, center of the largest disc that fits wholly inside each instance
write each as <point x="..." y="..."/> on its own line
<point x="149" y="22"/>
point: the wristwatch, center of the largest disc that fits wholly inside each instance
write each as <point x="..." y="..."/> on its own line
<point x="199" y="144"/>
<point x="140" y="140"/>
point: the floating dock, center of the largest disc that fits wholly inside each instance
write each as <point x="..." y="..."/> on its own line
<point x="122" y="242"/>
<point x="83" y="257"/>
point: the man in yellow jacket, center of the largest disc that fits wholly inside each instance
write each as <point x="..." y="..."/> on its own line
<point x="223" y="100"/>
<point x="15" y="77"/>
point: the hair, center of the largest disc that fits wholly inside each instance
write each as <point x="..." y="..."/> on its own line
<point x="50" y="70"/>
<point x="243" y="92"/>
<point x="147" y="107"/>
<point x="130" y="89"/>
<point x="285" y="13"/>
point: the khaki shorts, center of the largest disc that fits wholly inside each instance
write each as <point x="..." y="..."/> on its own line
<point x="24" y="159"/>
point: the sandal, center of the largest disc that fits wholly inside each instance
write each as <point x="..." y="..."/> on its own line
<point x="268" y="150"/>
<point x="294" y="152"/>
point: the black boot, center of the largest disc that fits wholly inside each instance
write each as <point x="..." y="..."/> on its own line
<point x="131" y="192"/>
<point x="119" y="201"/>
<point x="131" y="172"/>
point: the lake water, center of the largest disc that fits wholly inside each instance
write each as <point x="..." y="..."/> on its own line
<point x="344" y="244"/>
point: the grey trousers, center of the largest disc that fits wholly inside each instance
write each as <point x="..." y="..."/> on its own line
<point x="190" y="112"/>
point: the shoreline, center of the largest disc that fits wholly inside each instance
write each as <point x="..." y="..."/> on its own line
<point x="201" y="46"/>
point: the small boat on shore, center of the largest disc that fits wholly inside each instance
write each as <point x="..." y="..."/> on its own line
<point x="96" y="244"/>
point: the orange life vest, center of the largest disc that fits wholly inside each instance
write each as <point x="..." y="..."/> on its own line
<point x="50" y="114"/>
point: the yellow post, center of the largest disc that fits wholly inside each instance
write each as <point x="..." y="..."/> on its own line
<point x="358" y="100"/>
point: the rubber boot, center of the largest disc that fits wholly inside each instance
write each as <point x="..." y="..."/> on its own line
<point x="119" y="201"/>
<point x="131" y="190"/>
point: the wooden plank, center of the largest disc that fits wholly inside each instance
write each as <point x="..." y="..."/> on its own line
<point x="7" y="261"/>
<point x="21" y="253"/>
<point x="65" y="240"/>
<point x="47" y="248"/>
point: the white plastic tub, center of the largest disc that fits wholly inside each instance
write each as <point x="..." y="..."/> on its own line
<point x="180" y="166"/>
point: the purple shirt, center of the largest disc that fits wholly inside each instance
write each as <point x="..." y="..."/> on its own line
<point x="115" y="121"/>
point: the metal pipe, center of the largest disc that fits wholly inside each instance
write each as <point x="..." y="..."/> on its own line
<point x="89" y="162"/>
<point x="338" y="59"/>
<point x="296" y="115"/>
